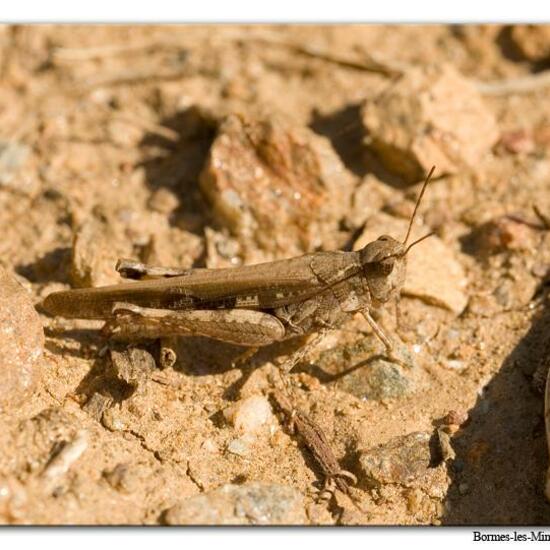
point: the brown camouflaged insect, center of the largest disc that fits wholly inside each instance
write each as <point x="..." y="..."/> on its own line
<point x="253" y="305"/>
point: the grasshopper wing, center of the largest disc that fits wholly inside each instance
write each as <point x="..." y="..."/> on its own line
<point x="262" y="286"/>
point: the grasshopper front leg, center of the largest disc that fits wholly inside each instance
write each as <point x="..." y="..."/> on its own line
<point x="388" y="344"/>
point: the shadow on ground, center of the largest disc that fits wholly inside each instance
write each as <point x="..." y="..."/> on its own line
<point x="501" y="454"/>
<point x="347" y="134"/>
<point x="53" y="266"/>
<point x="177" y="165"/>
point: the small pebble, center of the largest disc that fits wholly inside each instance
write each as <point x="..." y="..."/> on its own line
<point x="250" y="504"/>
<point x="60" y="463"/>
<point x="447" y="451"/>
<point x="309" y="382"/>
<point x="112" y="419"/>
<point x="455" y="364"/>
<point x="540" y="270"/>
<point x="463" y="488"/>
<point x="164" y="201"/>
<point x="258" y="381"/>
<point x="517" y="141"/>
<point x="401" y="460"/>
<point x="250" y="415"/>
<point x="502" y="233"/>
<point x="122" y="478"/>
<point x="97" y="405"/>
<point x="21" y="343"/>
<point x="455" y="418"/>
<point x="532" y="41"/>
<point x="13" y="156"/>
<point x="132" y="366"/>
<point x="239" y="447"/>
<point x="378" y="381"/>
<point x="209" y="446"/>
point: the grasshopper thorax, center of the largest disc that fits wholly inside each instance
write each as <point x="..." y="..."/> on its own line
<point x="384" y="263"/>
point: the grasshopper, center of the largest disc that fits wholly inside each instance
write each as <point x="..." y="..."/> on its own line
<point x="249" y="305"/>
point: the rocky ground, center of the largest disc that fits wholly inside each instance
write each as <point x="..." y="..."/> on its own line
<point x="220" y="146"/>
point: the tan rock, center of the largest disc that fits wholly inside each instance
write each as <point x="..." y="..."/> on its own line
<point x="21" y="343"/>
<point x="502" y="233"/>
<point x="96" y="249"/>
<point x="276" y="187"/>
<point x="250" y="415"/>
<point x="430" y="116"/>
<point x="533" y="41"/>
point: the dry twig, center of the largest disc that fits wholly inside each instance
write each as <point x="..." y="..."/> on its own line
<point x="317" y="442"/>
<point x="522" y="85"/>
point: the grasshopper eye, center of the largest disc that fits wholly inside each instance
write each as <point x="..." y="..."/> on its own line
<point x="381" y="268"/>
<point x="386" y="267"/>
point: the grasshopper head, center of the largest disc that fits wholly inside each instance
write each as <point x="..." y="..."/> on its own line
<point x="384" y="260"/>
<point x="384" y="264"/>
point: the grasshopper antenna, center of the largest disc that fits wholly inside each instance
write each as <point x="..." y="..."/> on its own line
<point x="430" y="234"/>
<point x="416" y="208"/>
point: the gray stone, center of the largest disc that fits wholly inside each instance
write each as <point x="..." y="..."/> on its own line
<point x="399" y="461"/>
<point x="251" y="504"/>
<point x="379" y="380"/>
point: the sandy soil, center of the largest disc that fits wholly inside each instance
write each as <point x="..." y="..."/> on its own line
<point x="112" y="128"/>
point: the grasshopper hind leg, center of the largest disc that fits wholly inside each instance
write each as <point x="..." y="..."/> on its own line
<point x="300" y="354"/>
<point x="235" y="326"/>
